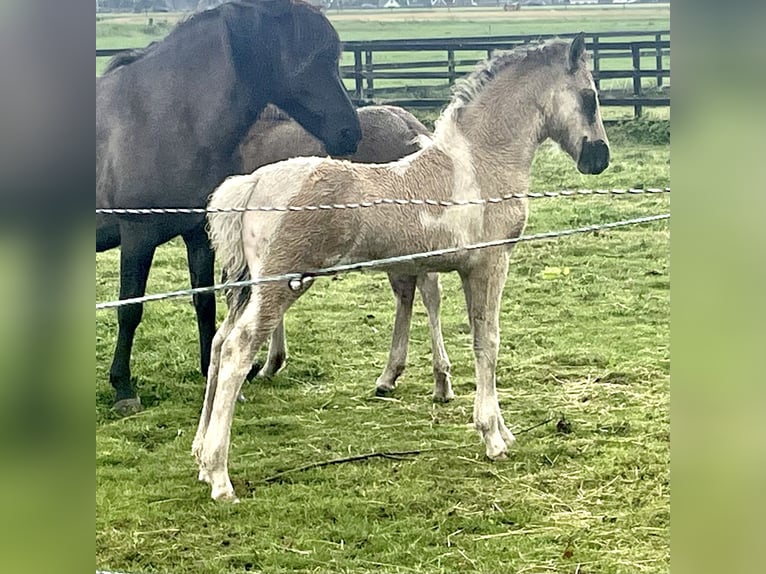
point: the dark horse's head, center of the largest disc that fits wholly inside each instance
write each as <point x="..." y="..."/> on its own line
<point x="290" y="50"/>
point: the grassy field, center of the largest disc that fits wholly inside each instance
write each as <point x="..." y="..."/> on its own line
<point x="586" y="347"/>
<point x="132" y="30"/>
<point x="590" y="348"/>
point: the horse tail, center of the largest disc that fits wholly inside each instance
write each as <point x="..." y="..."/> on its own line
<point x="225" y="227"/>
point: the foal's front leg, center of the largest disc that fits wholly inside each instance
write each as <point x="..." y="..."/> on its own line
<point x="484" y="287"/>
<point x="404" y="291"/>
<point x="235" y="358"/>
<point x="249" y="331"/>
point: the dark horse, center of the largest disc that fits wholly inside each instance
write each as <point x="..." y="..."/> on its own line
<point x="169" y="119"/>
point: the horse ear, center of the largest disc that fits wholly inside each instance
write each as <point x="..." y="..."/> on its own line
<point x="576" y="51"/>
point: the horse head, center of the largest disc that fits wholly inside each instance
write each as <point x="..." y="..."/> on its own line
<point x="574" y="115"/>
<point x="290" y="50"/>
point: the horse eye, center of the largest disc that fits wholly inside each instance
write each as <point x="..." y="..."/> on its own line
<point x="589" y="104"/>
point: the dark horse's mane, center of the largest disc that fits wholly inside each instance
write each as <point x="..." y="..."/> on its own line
<point x="129" y="56"/>
<point x="122" y="59"/>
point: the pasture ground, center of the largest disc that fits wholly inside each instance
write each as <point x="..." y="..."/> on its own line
<point x="589" y="347"/>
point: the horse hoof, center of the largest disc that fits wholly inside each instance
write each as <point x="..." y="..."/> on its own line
<point x="256" y="368"/>
<point x="225" y="496"/>
<point x="127" y="407"/>
<point x="383" y="391"/>
<point x="444" y="398"/>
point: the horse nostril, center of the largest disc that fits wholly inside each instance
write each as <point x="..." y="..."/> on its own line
<point x="594" y="156"/>
<point x="603" y="150"/>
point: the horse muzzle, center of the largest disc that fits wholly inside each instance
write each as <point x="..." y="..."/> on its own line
<point x="594" y="157"/>
<point x="344" y="142"/>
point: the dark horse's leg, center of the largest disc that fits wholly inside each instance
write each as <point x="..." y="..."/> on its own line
<point x="138" y="246"/>
<point x="201" y="270"/>
<point x="107" y="234"/>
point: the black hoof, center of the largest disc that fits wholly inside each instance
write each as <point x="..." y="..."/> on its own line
<point x="383" y="392"/>
<point x="127" y="407"/>
<point x="257" y="366"/>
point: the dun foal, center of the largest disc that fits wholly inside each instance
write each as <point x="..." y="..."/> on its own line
<point x="482" y="147"/>
<point x="388" y="133"/>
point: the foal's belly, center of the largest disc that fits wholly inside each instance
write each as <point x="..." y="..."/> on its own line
<point x="428" y="239"/>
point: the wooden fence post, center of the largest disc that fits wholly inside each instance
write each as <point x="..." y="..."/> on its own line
<point x="451" y="65"/>
<point x="636" y="51"/>
<point x="596" y="62"/>
<point x="368" y="68"/>
<point x="358" y="85"/>
<point x="658" y="39"/>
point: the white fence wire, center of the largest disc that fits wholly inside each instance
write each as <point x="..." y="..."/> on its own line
<point x="296" y="279"/>
<point x="379" y="202"/>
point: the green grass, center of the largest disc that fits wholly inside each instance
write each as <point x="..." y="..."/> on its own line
<point x="591" y="346"/>
<point x="495" y="22"/>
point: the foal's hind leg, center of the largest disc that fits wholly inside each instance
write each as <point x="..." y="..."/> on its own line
<point x="277" y="352"/>
<point x="404" y="290"/>
<point x="275" y="360"/>
<point x="249" y="331"/>
<point x="430" y="291"/>
<point x="211" y="385"/>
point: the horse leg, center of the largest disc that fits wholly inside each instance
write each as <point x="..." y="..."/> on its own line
<point x="277" y="352"/>
<point x="211" y="385"/>
<point x="135" y="260"/>
<point x="201" y="272"/>
<point x="248" y="332"/>
<point x="484" y="287"/>
<point x="107" y="235"/>
<point x="404" y="291"/>
<point x="430" y="291"/>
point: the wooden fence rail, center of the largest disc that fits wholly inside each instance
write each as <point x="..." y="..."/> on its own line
<point x="631" y="69"/>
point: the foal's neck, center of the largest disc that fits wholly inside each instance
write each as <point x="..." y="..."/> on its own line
<point x="501" y="156"/>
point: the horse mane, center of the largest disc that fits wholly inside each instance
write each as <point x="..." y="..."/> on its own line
<point x="122" y="59"/>
<point x="467" y="89"/>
